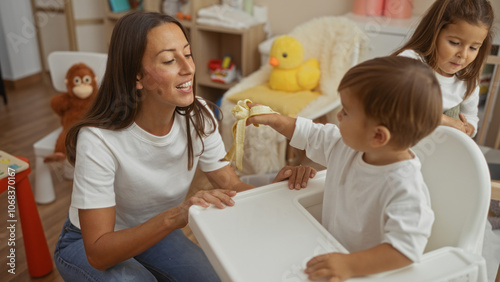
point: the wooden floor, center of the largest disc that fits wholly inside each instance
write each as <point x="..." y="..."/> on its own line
<point x="26" y="119"/>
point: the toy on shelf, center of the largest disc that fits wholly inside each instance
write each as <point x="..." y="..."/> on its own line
<point x="222" y="70"/>
<point x="368" y="7"/>
<point x="398" y="9"/>
<point x="178" y="8"/>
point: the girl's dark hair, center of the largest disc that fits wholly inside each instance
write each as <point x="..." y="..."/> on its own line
<point x="117" y="101"/>
<point x="437" y="17"/>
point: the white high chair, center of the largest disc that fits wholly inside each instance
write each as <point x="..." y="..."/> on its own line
<point x="59" y="63"/>
<point x="272" y="231"/>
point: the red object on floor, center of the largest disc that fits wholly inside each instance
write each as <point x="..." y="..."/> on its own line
<point x="35" y="244"/>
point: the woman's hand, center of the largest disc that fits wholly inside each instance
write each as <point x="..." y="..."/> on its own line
<point x="332" y="266"/>
<point x="218" y="197"/>
<point x="297" y="176"/>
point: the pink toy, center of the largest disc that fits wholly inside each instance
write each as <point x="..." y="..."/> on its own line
<point x="368" y="7"/>
<point x="400" y="9"/>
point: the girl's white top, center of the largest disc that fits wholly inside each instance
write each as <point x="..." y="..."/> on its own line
<point x="453" y="91"/>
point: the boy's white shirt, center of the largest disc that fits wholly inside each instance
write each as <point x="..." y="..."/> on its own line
<point x="366" y="205"/>
<point x="453" y="91"/>
<point x="139" y="173"/>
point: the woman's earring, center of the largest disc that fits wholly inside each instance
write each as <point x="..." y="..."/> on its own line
<point x="138" y="84"/>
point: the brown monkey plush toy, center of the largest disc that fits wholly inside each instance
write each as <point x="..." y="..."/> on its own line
<point x="81" y="83"/>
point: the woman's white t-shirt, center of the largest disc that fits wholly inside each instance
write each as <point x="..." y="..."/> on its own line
<point x="138" y="173"/>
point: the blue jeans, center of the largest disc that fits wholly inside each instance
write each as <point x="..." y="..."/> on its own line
<point x="175" y="258"/>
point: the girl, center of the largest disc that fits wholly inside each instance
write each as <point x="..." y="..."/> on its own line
<point x="454" y="38"/>
<point x="135" y="154"/>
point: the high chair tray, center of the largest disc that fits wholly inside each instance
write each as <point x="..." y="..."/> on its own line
<point x="271" y="232"/>
<point x="268" y="235"/>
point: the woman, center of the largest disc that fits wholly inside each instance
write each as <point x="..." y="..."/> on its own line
<point x="135" y="153"/>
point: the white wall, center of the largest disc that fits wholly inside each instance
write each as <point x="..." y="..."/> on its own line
<point x="284" y="15"/>
<point x="19" y="48"/>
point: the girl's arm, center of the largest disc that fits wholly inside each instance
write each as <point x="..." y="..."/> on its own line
<point x="381" y="258"/>
<point x="453" y="122"/>
<point x="461" y="124"/>
<point x="105" y="247"/>
<point x="469" y="128"/>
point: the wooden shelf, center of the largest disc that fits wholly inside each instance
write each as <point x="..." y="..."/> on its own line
<point x="215" y="42"/>
<point x="186" y="24"/>
<point x="221" y="29"/>
<point x="115" y="16"/>
<point x="204" y="80"/>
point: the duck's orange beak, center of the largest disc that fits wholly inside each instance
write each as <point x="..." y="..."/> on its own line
<point x="273" y="61"/>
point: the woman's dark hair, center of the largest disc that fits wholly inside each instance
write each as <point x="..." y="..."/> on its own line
<point x="437" y="17"/>
<point x="117" y="102"/>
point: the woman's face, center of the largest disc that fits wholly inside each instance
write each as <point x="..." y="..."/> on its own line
<point x="458" y="45"/>
<point x="167" y="67"/>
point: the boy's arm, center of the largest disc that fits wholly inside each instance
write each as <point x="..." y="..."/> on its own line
<point x="381" y="258"/>
<point x="283" y="124"/>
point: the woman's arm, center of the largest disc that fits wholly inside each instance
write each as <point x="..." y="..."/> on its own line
<point x="226" y="178"/>
<point x="105" y="247"/>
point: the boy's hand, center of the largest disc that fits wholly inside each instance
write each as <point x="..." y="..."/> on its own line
<point x="339" y="267"/>
<point x="259" y="119"/>
<point x="283" y="124"/>
<point x="297" y="176"/>
<point x="332" y="266"/>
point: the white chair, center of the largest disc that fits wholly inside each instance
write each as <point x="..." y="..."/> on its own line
<point x="338" y="44"/>
<point x="59" y="63"/>
<point x="272" y="231"/>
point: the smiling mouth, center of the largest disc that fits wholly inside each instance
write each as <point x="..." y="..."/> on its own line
<point x="185" y="86"/>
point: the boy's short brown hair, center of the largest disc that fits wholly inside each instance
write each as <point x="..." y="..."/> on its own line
<point x="400" y="93"/>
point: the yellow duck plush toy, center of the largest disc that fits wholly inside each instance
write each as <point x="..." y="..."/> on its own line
<point x="289" y="72"/>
